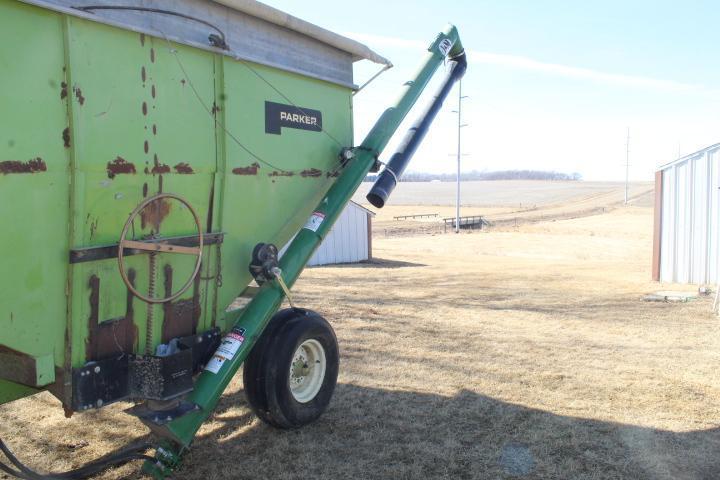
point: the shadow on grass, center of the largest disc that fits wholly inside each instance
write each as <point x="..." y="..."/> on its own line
<point x="383" y="434"/>
<point x="376" y="433"/>
<point x="374" y="263"/>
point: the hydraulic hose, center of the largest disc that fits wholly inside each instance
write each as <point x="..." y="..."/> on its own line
<point x="120" y="457"/>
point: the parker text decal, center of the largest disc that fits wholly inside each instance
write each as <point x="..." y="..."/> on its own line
<point x="278" y="115"/>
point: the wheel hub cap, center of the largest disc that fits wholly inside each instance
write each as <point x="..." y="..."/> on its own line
<point x="307" y="370"/>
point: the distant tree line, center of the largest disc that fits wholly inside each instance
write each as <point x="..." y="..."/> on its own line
<point x="484" y="175"/>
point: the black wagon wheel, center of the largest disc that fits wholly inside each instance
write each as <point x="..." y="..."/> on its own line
<point x="291" y="373"/>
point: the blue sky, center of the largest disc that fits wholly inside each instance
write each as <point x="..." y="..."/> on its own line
<point x="552" y="84"/>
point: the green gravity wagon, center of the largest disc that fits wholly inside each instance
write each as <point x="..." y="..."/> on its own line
<point x="153" y="157"/>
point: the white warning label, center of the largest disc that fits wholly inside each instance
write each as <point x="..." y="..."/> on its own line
<point x="315" y="221"/>
<point x="444" y="46"/>
<point x="229" y="346"/>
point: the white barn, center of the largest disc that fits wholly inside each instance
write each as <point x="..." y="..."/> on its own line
<point x="687" y="219"/>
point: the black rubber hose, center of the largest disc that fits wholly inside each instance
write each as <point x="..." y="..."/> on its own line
<point x="10" y="471"/>
<point x="117" y="458"/>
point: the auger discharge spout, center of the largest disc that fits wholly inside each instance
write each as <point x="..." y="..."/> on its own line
<point x="389" y="177"/>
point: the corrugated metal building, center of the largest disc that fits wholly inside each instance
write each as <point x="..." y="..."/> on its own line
<point x="349" y="241"/>
<point x="687" y="219"/>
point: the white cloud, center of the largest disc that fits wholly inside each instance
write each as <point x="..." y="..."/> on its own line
<point x="525" y="63"/>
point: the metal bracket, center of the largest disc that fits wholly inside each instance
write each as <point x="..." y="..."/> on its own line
<point x="91" y="254"/>
<point x="159" y="377"/>
<point x="30" y="370"/>
<point x="152" y="416"/>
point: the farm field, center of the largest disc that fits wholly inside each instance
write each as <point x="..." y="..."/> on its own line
<point x="510" y="353"/>
<point x="502" y="203"/>
<point x="517" y="194"/>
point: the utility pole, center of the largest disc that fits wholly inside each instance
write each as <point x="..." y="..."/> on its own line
<point x="627" y="165"/>
<point x="459" y="154"/>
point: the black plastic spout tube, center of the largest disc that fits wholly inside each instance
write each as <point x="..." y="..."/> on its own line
<point x="388" y="178"/>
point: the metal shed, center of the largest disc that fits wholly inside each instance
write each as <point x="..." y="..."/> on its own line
<point x="349" y="241"/>
<point x="687" y="219"/>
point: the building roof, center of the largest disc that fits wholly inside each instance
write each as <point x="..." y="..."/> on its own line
<point x="360" y="206"/>
<point x="278" y="17"/>
<point x="688" y="157"/>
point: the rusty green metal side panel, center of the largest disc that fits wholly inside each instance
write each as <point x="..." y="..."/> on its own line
<point x="139" y="130"/>
<point x="33" y="186"/>
<point x="269" y="199"/>
<point x="93" y="120"/>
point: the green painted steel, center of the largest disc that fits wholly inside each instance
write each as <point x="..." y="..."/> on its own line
<point x="33" y="206"/>
<point x="253" y="318"/>
<point x="93" y="119"/>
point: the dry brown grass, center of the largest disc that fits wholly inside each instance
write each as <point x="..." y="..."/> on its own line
<point x="525" y="353"/>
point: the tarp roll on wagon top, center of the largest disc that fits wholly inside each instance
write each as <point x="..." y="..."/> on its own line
<point x="280" y="18"/>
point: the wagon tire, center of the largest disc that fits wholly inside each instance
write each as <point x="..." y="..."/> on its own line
<point x="291" y="372"/>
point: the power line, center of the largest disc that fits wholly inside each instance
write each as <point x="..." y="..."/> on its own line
<point x="461" y="97"/>
<point x="627" y="165"/>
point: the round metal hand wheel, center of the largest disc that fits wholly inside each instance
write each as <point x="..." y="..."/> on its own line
<point x="158" y="246"/>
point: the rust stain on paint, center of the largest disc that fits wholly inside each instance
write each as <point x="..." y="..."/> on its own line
<point x="66" y="137"/>
<point x="154" y="129"/>
<point x="142" y="39"/>
<point x="143" y="75"/>
<point x="181" y="318"/>
<point x="112" y="337"/>
<point x="152" y="55"/>
<point x="155" y="213"/>
<point x="79" y="95"/>
<point x="63" y="91"/>
<point x="332" y="174"/>
<point x="249" y="170"/>
<point x="146" y="146"/>
<point x="311" y="172"/>
<point x="15" y="166"/>
<point x="183" y="168"/>
<point x="144" y="108"/>
<point x="152" y="91"/>
<point x="160" y="168"/>
<point x="120" y="166"/>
